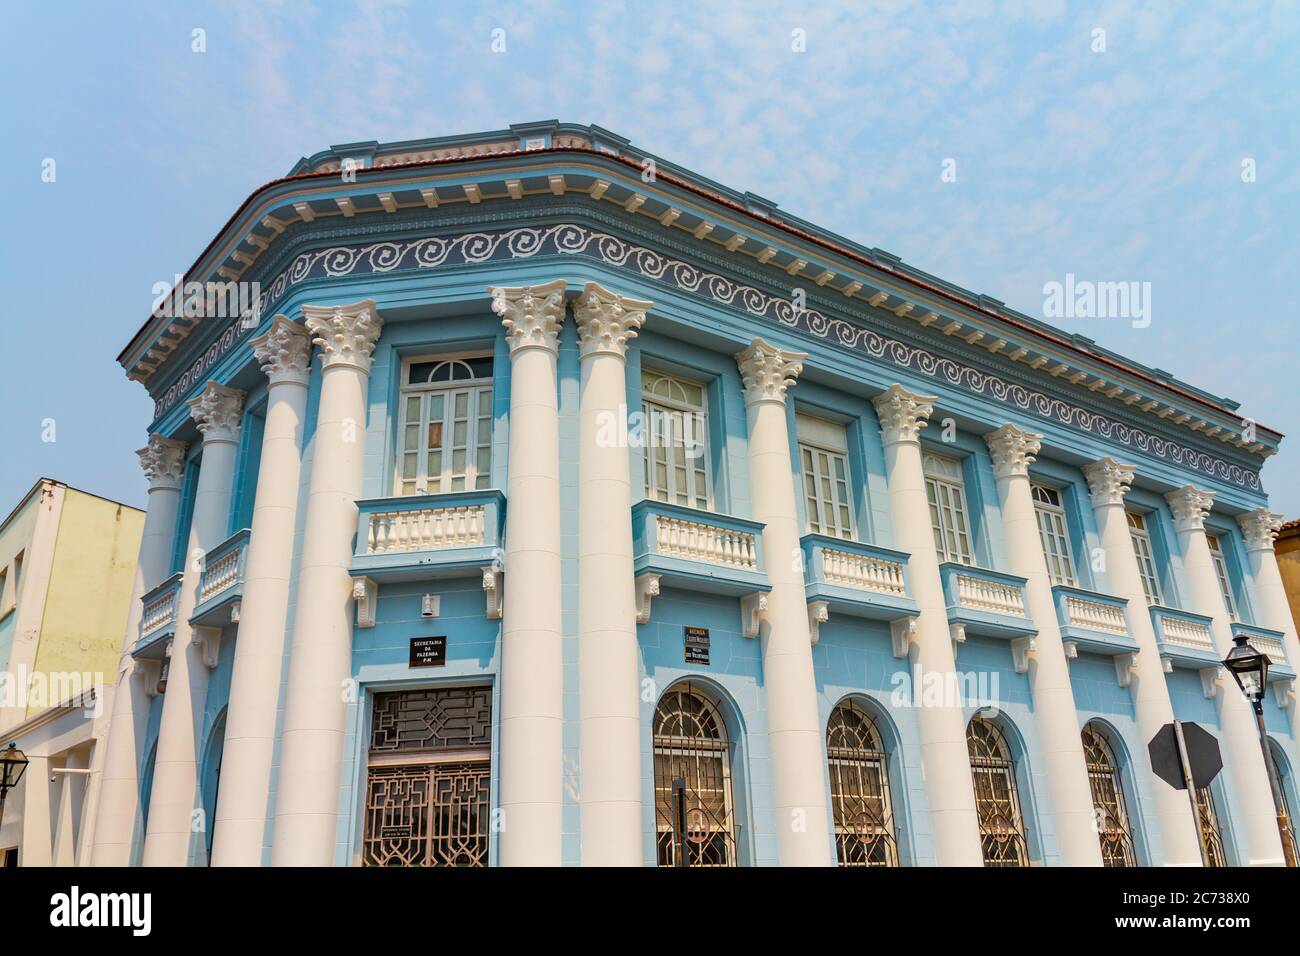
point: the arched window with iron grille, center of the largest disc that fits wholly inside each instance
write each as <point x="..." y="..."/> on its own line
<point x="1207" y="813"/>
<point x="997" y="798"/>
<point x="691" y="745"/>
<point x="860" y="796"/>
<point x="1285" y="818"/>
<point x="1111" y="810"/>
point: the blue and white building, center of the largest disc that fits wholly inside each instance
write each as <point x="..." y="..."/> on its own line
<point x="546" y="490"/>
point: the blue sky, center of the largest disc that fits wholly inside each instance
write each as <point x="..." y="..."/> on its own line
<point x="1122" y="165"/>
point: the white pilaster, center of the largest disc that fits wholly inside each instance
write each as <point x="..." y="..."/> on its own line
<point x="284" y="354"/>
<point x="320" y="659"/>
<point x="118" y="811"/>
<point x="72" y="793"/>
<point x="1260" y="528"/>
<point x="1109" y="482"/>
<point x="532" y="678"/>
<point x="1013" y="450"/>
<point x="609" y="700"/>
<point x="944" y="755"/>
<point x="172" y="802"/>
<point x="789" y="688"/>
<point x="38" y="845"/>
<point x="1242" y="751"/>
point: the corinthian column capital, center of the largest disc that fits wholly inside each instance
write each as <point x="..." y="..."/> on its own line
<point x="902" y="414"/>
<point x="767" y="372"/>
<point x="1260" y="528"/>
<point x="284" y="352"/>
<point x="346" y="334"/>
<point x="216" y="410"/>
<point x="607" y="320"/>
<point x="1013" y="450"/>
<point x="1190" y="505"/>
<point x="163" y="461"/>
<point x="1108" y="481"/>
<point x="532" y="314"/>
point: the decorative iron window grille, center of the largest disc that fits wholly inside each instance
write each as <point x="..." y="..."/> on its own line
<point x="997" y="799"/>
<point x="1112" y="820"/>
<point x="860" y="796"/>
<point x="1208" y="819"/>
<point x="690" y="744"/>
<point x="427" y="792"/>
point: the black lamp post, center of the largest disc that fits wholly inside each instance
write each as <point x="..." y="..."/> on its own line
<point x="12" y="764"/>
<point x="1250" y="670"/>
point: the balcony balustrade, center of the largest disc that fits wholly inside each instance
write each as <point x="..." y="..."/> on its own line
<point x="1093" y="622"/>
<point x="221" y="584"/>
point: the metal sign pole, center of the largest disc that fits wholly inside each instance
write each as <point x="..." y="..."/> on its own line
<point x="679" y="823"/>
<point x="1191" y="791"/>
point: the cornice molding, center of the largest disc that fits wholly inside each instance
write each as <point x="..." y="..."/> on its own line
<point x="607" y="321"/>
<point x="1012" y="450"/>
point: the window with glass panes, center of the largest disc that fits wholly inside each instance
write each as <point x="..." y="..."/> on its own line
<point x="1137" y="529"/>
<point x="1053" y="531"/>
<point x="676" y="440"/>
<point x="1221" y="572"/>
<point x="946" y="493"/>
<point x="445" y="429"/>
<point x="824" y="464"/>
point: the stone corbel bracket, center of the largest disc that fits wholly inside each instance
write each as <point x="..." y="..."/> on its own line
<point x="958" y="634"/>
<point x="1071" y="649"/>
<point x="1125" y="668"/>
<point x="493" y="590"/>
<point x="1284" y="693"/>
<point x="146" y="672"/>
<point x="647" y="588"/>
<point x="902" y="632"/>
<point x="366" y="593"/>
<point x="752" y="607"/>
<point x="819" y="612"/>
<point x="1021" y="648"/>
<point x="1210" y="679"/>
<point x="207" y="641"/>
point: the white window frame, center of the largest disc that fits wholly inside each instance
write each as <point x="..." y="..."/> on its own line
<point x="817" y="464"/>
<point x="1054" y="533"/>
<point x="479" y="408"/>
<point x="945" y="491"/>
<point x="686" y="424"/>
<point x="1145" y="555"/>
<point x="1221" y="572"/>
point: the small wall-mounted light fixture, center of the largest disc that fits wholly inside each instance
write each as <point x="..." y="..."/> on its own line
<point x="430" y="605"/>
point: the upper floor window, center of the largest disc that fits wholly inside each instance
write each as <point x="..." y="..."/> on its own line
<point x="676" y="441"/>
<point x="824" y="462"/>
<point x="445" y="427"/>
<point x="997" y="798"/>
<point x="1221" y="572"/>
<point x="947" y="496"/>
<point x="1137" y="529"/>
<point x="1055" y="536"/>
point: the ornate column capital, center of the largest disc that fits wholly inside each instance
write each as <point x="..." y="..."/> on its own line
<point x="346" y="334"/>
<point x="902" y="414"/>
<point x="163" y="461"/>
<point x="532" y="314"/>
<point x="767" y="371"/>
<point x="284" y="352"/>
<point x="1260" y="528"/>
<point x="607" y="320"/>
<point x="217" y="411"/>
<point x="1013" y="450"/>
<point x="1190" y="505"/>
<point x="1108" y="481"/>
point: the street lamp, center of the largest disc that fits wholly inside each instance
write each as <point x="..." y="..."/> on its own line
<point x="1249" y="669"/>
<point x="12" y="764"/>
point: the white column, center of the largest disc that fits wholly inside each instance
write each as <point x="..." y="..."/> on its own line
<point x="1049" y="673"/>
<point x="794" y="727"/>
<point x="72" y="791"/>
<point x="175" y="776"/>
<point x="1260" y="528"/>
<point x="944" y="756"/>
<point x="38" y="842"/>
<point x="532" y="678"/>
<point x="1256" y="815"/>
<point x="1109" y="482"/>
<point x="320" y="659"/>
<point x="284" y="353"/>
<point x="609" y="700"/>
<point x="118" y="812"/>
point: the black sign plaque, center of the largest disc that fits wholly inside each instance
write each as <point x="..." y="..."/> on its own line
<point x="428" y="651"/>
<point x="697" y="645"/>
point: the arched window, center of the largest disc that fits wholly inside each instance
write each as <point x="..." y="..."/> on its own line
<point x="1113" y="828"/>
<point x="692" y="758"/>
<point x="997" y="801"/>
<point x="1285" y="819"/>
<point x="1207" y="813"/>
<point x="211" y="780"/>
<point x="860" y="799"/>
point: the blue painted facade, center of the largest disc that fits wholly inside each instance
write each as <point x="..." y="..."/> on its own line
<point x="433" y="300"/>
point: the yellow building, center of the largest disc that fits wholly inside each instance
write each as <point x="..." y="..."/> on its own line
<point x="1287" y="548"/>
<point x="67" y="569"/>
